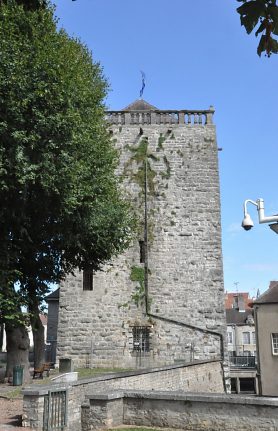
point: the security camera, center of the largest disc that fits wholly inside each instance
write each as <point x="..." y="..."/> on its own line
<point x="247" y="222"/>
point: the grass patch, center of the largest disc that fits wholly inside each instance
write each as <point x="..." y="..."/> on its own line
<point x="12" y="393"/>
<point x="84" y="373"/>
<point x="135" y="429"/>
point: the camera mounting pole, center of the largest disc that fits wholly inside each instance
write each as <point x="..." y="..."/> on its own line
<point x="247" y="222"/>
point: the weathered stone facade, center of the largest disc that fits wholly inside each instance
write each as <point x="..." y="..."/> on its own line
<point x="195" y="377"/>
<point x="180" y="410"/>
<point x="177" y="151"/>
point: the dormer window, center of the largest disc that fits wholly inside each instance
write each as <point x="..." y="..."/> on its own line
<point x="250" y="320"/>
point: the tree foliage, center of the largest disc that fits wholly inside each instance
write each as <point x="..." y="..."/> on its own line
<point x="30" y="5"/>
<point x="61" y="207"/>
<point x="261" y="16"/>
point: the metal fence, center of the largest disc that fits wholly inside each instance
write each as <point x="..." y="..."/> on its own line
<point x="242" y="361"/>
<point x="55" y="413"/>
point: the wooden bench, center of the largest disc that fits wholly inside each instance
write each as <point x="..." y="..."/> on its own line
<point x="39" y="371"/>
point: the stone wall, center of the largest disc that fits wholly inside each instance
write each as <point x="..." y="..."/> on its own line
<point x="197" y="377"/>
<point x="191" y="412"/>
<point x="185" y="277"/>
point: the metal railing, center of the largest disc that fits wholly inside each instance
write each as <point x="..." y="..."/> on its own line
<point x="55" y="413"/>
<point x="242" y="361"/>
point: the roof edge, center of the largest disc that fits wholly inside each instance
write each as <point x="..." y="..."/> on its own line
<point x="140" y="105"/>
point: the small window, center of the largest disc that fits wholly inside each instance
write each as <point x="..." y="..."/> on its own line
<point x="230" y="337"/>
<point x="235" y="302"/>
<point x="142" y="251"/>
<point x="274" y="338"/>
<point x="254" y="337"/>
<point x="87" y="280"/>
<point x="141" y="339"/>
<point x="246" y="338"/>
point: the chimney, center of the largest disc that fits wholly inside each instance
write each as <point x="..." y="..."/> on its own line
<point x="273" y="284"/>
<point x="241" y="303"/>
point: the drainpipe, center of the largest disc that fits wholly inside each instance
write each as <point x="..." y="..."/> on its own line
<point x="146" y="268"/>
<point x="258" y="352"/>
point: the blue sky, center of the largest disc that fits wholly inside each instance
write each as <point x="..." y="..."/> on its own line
<point x="195" y="54"/>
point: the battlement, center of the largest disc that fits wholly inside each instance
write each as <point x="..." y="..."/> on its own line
<point x="151" y="117"/>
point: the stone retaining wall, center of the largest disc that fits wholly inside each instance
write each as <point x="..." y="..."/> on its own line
<point x="194" y="377"/>
<point x="188" y="411"/>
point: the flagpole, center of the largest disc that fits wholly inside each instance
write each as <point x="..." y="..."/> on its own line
<point x="143" y="84"/>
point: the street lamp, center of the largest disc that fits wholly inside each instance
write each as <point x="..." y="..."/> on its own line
<point x="247" y="222"/>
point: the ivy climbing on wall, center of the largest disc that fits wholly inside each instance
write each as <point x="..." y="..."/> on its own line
<point x="137" y="274"/>
<point x="142" y="157"/>
<point x="140" y="167"/>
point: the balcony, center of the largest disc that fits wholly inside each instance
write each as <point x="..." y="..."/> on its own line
<point x="242" y="361"/>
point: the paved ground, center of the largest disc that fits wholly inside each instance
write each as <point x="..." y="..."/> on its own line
<point x="10" y="409"/>
<point x="10" y="414"/>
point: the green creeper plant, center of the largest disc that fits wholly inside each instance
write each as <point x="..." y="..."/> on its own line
<point x="137" y="274"/>
<point x="142" y="157"/>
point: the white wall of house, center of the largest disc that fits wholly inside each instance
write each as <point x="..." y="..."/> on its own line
<point x="267" y="329"/>
<point x="241" y="339"/>
<point x="4" y="347"/>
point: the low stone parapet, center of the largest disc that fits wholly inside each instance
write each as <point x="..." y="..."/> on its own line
<point x="188" y="411"/>
<point x="196" y="376"/>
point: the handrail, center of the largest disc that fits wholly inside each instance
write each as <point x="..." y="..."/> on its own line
<point x="242" y="361"/>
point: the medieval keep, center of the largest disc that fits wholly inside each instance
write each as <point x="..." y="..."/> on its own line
<point x="162" y="301"/>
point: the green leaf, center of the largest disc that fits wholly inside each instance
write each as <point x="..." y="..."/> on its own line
<point x="273" y="46"/>
<point x="260" y="29"/>
<point x="262" y="45"/>
<point x="61" y="207"/>
<point x="250" y="12"/>
<point x="273" y="12"/>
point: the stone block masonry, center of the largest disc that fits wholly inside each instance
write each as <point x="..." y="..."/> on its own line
<point x="188" y="411"/>
<point x="109" y="326"/>
<point x="196" y="377"/>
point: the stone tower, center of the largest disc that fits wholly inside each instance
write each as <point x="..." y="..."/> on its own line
<point x="162" y="301"/>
